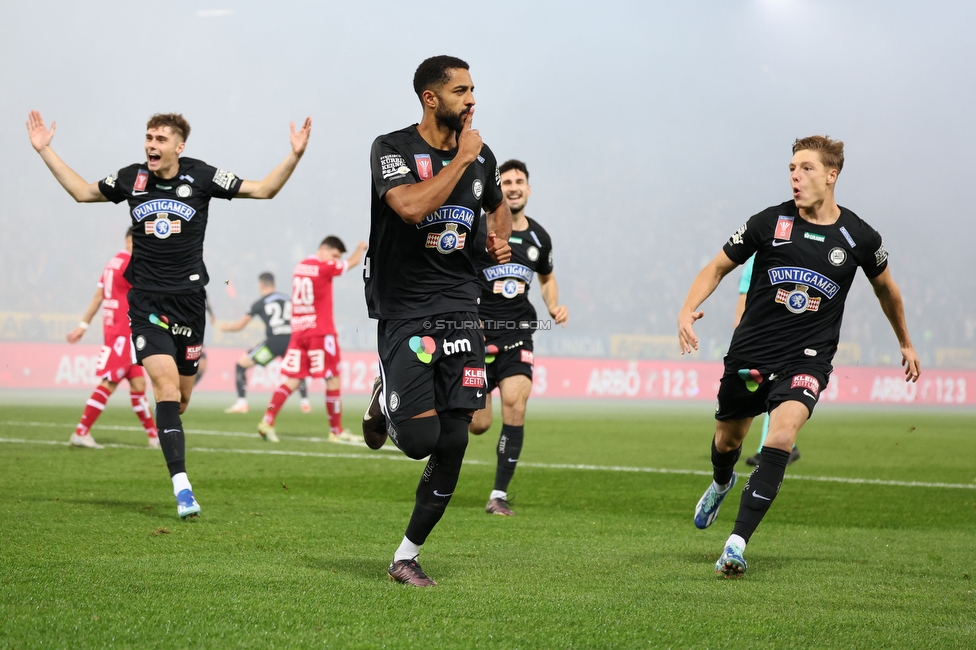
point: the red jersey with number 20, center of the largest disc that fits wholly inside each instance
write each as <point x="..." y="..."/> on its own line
<point x="311" y="296"/>
<point x="115" y="298"/>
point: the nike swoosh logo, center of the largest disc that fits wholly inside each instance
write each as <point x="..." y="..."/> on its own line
<point x="513" y="460"/>
<point x="171" y="430"/>
<point x="759" y="496"/>
<point x="134" y="193"/>
<point x="781" y="243"/>
<point x="438" y="494"/>
<point x="479" y="394"/>
<point x="809" y="394"/>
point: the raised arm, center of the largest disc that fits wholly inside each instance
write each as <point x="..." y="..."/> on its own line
<point x="237" y="325"/>
<point x="75" y="335"/>
<point x="702" y="287"/>
<point x="40" y="138"/>
<point x="891" y="304"/>
<point x="273" y="182"/>
<point x="357" y="255"/>
<point x="550" y="294"/>
<point x="415" y="201"/>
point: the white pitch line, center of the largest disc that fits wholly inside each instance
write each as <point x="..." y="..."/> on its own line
<point x="202" y="432"/>
<point x="595" y="468"/>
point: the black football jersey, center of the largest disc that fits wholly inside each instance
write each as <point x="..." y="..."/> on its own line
<point x="274" y="310"/>
<point x="505" y="287"/>
<point x="170" y="219"/>
<point x="426" y="269"/>
<point x="800" y="281"/>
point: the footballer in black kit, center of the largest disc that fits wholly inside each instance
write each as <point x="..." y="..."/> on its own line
<point x="274" y="310"/>
<point x="422" y="283"/>
<point x="430" y="182"/>
<point x="507" y="314"/>
<point x="167" y="302"/>
<point x="509" y="320"/>
<point x="808" y="251"/>
<point x="169" y="199"/>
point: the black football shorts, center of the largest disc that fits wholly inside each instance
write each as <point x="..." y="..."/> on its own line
<point x="508" y="360"/>
<point x="171" y="324"/>
<point x="431" y="363"/>
<point x="746" y="391"/>
<point x="268" y="350"/>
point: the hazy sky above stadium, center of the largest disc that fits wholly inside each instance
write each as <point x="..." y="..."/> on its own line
<point x="651" y="130"/>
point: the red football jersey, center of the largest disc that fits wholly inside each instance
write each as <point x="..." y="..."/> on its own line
<point x="115" y="298"/>
<point x="311" y="296"/>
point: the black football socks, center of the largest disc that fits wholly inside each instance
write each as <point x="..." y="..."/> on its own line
<point x="761" y="488"/>
<point x="508" y="451"/>
<point x="240" y="379"/>
<point x="440" y="476"/>
<point x="171" y="438"/>
<point x="723" y="464"/>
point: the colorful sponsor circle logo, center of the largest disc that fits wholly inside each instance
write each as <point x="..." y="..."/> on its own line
<point x="752" y="378"/>
<point x="162" y="321"/>
<point x="423" y="347"/>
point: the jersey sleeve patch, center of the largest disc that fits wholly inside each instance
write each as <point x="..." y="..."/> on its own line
<point x="111" y="189"/>
<point x="389" y="167"/>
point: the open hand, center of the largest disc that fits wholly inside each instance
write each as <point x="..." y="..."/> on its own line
<point x="686" y="335"/>
<point x="913" y="368"/>
<point x="40" y="137"/>
<point x="299" y="140"/>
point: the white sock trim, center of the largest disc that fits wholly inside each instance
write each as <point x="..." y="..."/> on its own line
<point x="407" y="551"/>
<point x="736" y="541"/>
<point x="498" y="494"/>
<point x="180" y="483"/>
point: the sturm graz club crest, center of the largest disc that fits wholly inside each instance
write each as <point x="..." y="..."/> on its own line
<point x="447" y="241"/>
<point x="837" y="256"/>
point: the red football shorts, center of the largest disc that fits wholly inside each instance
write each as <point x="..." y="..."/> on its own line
<point x="115" y="361"/>
<point x="311" y="356"/>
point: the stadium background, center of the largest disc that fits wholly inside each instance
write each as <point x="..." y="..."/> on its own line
<point x="651" y="132"/>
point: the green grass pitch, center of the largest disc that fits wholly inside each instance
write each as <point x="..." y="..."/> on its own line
<point x="292" y="547"/>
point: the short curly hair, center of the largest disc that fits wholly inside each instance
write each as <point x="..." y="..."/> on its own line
<point x="174" y="121"/>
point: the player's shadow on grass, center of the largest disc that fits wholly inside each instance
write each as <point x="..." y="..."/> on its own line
<point x="137" y="507"/>
<point x="366" y="568"/>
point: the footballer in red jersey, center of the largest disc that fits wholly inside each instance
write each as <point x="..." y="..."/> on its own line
<point x="115" y="360"/>
<point x="313" y="349"/>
